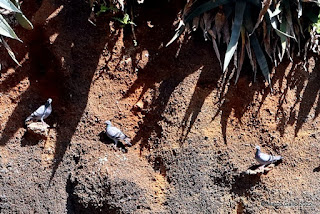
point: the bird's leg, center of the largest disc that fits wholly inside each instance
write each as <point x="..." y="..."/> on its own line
<point x="42" y="121"/>
<point x="115" y="144"/>
<point x="43" y="115"/>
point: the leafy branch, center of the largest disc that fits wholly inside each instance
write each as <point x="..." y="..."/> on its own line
<point x="11" y="7"/>
<point x="269" y="27"/>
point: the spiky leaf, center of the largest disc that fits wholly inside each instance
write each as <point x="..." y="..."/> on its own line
<point x="197" y="10"/>
<point x="10" y="52"/>
<point x="179" y="31"/>
<point x="262" y="61"/>
<point x="240" y="8"/>
<point x="265" y="6"/>
<point x="6" y="30"/>
<point x="8" y="5"/>
<point x="23" y="21"/>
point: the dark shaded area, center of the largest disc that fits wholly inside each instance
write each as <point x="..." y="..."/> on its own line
<point x="30" y="139"/>
<point x="307" y="87"/>
<point x="75" y="204"/>
<point x="159" y="166"/>
<point x="70" y="201"/>
<point x="243" y="183"/>
<point x="163" y="60"/>
<point x="207" y="82"/>
<point x="68" y="84"/>
<point x="94" y="191"/>
<point x="317" y="169"/>
<point x="156" y="70"/>
<point x="63" y="74"/>
<point x="295" y="79"/>
<point x="254" y="167"/>
<point x="310" y="98"/>
<point x="238" y="99"/>
<point x="103" y="137"/>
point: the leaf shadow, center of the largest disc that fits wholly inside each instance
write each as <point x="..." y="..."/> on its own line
<point x="55" y="71"/>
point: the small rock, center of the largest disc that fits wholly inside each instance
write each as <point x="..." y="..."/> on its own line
<point x="139" y="105"/>
<point x="38" y="129"/>
<point x="260" y="170"/>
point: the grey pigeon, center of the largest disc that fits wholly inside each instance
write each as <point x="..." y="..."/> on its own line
<point x="265" y="159"/>
<point x="42" y="112"/>
<point x="116" y="134"/>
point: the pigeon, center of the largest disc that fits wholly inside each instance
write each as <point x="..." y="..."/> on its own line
<point x="42" y="112"/>
<point x="265" y="159"/>
<point x="116" y="134"/>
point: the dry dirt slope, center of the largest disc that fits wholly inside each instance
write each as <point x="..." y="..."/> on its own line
<point x="193" y="136"/>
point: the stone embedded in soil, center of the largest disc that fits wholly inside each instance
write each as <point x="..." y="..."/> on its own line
<point x="139" y="105"/>
<point x="38" y="129"/>
<point x="260" y="170"/>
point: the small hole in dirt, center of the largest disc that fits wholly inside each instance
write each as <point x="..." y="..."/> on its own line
<point x="168" y="180"/>
<point x="174" y="153"/>
<point x="240" y="208"/>
<point x="159" y="166"/>
<point x="76" y="159"/>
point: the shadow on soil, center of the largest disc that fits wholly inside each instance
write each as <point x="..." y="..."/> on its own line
<point x="62" y="70"/>
<point x="317" y="169"/>
<point x="74" y="206"/>
<point x="65" y="75"/>
<point x="233" y="99"/>
<point x="307" y="86"/>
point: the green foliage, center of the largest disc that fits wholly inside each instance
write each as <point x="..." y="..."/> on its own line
<point x="317" y="25"/>
<point x="261" y="27"/>
<point x="11" y="7"/>
<point x="104" y="8"/>
<point x="125" y="20"/>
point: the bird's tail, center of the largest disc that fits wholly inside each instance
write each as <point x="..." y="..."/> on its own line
<point x="28" y="118"/>
<point x="127" y="140"/>
<point x="276" y="158"/>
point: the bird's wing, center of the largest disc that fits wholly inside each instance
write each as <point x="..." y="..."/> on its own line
<point x="264" y="157"/>
<point x="39" y="112"/>
<point x="115" y="133"/>
<point x="48" y="112"/>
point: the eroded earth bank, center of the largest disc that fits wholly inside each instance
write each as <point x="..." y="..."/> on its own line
<point x="193" y="134"/>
